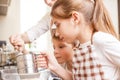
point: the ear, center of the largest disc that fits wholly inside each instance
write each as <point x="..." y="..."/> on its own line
<point x="76" y="17"/>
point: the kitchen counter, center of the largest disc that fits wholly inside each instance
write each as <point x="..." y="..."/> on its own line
<point x="32" y="76"/>
<point x="31" y="79"/>
<point x="7" y="75"/>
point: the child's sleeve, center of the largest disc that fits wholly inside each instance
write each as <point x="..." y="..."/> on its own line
<point x="110" y="46"/>
<point x="112" y="49"/>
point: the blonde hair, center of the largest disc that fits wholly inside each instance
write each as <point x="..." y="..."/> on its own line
<point x="93" y="11"/>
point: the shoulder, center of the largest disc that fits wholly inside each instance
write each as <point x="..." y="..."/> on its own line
<point x="101" y="38"/>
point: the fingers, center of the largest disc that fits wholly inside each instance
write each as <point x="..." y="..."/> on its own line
<point x="41" y="61"/>
<point x="17" y="42"/>
<point x="46" y="60"/>
<point x="13" y="38"/>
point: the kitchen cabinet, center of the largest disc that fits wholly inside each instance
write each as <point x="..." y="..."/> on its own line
<point x="4" y="4"/>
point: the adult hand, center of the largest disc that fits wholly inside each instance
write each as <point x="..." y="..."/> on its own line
<point x="17" y="42"/>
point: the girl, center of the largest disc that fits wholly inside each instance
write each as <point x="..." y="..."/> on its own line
<point x="98" y="55"/>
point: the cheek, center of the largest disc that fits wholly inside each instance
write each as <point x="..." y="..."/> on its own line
<point x="69" y="52"/>
<point x="64" y="32"/>
<point x="63" y="28"/>
<point x="66" y="54"/>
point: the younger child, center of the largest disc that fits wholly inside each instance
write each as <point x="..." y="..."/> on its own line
<point x="63" y="53"/>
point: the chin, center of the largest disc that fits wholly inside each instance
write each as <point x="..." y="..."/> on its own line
<point x="60" y="62"/>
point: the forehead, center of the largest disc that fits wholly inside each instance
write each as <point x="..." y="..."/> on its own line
<point x="60" y="42"/>
<point x="57" y="21"/>
<point x="54" y="19"/>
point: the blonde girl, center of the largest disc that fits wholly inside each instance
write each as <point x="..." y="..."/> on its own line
<point x="98" y="55"/>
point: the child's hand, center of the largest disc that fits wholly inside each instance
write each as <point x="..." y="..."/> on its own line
<point x="41" y="61"/>
<point x="46" y="60"/>
<point x="51" y="61"/>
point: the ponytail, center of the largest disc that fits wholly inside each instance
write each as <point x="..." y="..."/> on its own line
<point x="101" y="20"/>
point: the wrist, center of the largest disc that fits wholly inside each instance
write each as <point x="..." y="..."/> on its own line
<point x="24" y="51"/>
<point x="62" y="73"/>
<point x="55" y="67"/>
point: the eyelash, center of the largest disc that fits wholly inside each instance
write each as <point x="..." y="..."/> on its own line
<point x="60" y="47"/>
<point x="57" y="25"/>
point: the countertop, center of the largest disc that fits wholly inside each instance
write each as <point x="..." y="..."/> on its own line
<point x="16" y="76"/>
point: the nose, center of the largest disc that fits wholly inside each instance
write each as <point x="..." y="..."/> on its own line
<point x="56" y="33"/>
<point x="56" y="51"/>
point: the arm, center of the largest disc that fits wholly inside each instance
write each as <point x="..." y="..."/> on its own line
<point x="49" y="61"/>
<point x="25" y="37"/>
<point x="112" y="50"/>
<point x="64" y="74"/>
<point x="40" y="28"/>
<point x="109" y="45"/>
<point x="32" y="34"/>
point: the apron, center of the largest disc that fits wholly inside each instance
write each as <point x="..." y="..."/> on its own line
<point x="85" y="66"/>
